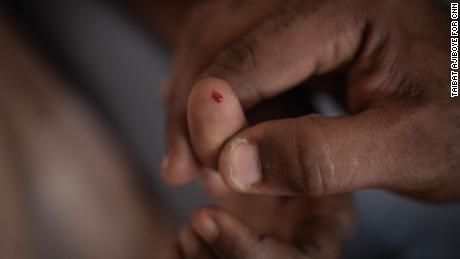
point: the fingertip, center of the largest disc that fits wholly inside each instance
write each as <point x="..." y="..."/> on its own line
<point x="209" y="97"/>
<point x="178" y="166"/>
<point x="214" y="114"/>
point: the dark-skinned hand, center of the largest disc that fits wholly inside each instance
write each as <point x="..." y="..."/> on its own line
<point x="402" y="131"/>
<point x="304" y="228"/>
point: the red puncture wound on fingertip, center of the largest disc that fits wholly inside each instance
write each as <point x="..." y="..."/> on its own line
<point x="217" y="97"/>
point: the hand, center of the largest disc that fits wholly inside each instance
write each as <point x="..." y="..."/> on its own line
<point x="314" y="228"/>
<point x="209" y="28"/>
<point x="403" y="131"/>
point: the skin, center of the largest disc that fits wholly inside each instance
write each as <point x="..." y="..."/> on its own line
<point x="317" y="228"/>
<point x="402" y="130"/>
<point x="164" y="18"/>
<point x="67" y="187"/>
<point x="388" y="66"/>
<point x="201" y="41"/>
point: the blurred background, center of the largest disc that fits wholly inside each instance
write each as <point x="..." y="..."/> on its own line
<point x="81" y="141"/>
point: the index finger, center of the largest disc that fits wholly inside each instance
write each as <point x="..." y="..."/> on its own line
<point x="211" y="28"/>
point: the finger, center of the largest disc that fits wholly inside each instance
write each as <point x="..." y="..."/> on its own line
<point x="196" y="50"/>
<point x="213" y="184"/>
<point x="319" y="156"/>
<point x="212" y="26"/>
<point x="192" y="245"/>
<point x="328" y="225"/>
<point x="229" y="238"/>
<point x="179" y="165"/>
<point x="300" y="39"/>
<point x="214" y="115"/>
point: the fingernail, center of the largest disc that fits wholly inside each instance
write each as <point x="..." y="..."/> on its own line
<point x="205" y="226"/>
<point x="245" y="168"/>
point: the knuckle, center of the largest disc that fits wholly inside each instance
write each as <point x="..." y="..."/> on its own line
<point x="237" y="58"/>
<point x="283" y="19"/>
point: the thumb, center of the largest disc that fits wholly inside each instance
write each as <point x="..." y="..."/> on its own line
<point x="319" y="156"/>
